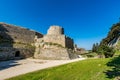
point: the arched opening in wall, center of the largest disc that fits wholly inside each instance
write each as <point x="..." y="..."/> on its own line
<point x="17" y="54"/>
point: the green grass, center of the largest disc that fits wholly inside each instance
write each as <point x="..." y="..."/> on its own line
<point x="89" y="55"/>
<point x="117" y="52"/>
<point x="91" y="69"/>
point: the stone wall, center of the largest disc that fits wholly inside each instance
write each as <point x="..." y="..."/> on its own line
<point x="7" y="53"/>
<point x="69" y="43"/>
<point x="17" y="34"/>
<point x="60" y="39"/>
<point x="55" y="39"/>
<point x="16" y="39"/>
<point x="56" y="54"/>
<point x="54" y="45"/>
<point x="56" y="35"/>
<point x="17" y="42"/>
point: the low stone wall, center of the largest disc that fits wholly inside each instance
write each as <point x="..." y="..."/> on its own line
<point x="7" y="53"/>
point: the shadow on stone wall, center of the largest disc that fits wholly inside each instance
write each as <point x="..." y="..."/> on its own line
<point x="5" y="39"/>
<point x="15" y="42"/>
<point x="6" y="44"/>
<point x="115" y="71"/>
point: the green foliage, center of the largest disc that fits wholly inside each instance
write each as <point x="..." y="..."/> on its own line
<point x="89" y="55"/>
<point x="103" y="50"/>
<point x="106" y="51"/>
<point x="113" y="33"/>
<point x="114" y="63"/>
<point x="95" y="47"/>
<point x="117" y="52"/>
<point x="91" y="69"/>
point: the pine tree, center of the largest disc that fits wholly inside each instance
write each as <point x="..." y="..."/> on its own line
<point x="95" y="47"/>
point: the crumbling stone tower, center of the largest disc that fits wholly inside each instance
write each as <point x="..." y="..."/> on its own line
<point x="55" y="34"/>
<point x="54" y="45"/>
<point x="55" y="30"/>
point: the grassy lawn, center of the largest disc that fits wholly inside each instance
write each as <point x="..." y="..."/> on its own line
<point x="90" y="69"/>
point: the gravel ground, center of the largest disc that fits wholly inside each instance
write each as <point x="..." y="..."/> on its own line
<point x="17" y="67"/>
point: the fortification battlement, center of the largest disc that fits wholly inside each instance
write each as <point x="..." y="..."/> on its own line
<point x="55" y="30"/>
<point x="68" y="37"/>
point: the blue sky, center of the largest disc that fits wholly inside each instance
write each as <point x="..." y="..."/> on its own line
<point x="86" y="21"/>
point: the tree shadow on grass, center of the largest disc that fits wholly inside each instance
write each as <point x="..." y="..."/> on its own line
<point x="115" y="71"/>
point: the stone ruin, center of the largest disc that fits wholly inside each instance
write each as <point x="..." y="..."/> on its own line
<point x="54" y="45"/>
<point x="55" y="34"/>
<point x="17" y="42"/>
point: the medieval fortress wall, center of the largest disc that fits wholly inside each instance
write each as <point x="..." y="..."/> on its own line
<point x="17" y="34"/>
<point x="17" y="42"/>
<point x="54" y="45"/>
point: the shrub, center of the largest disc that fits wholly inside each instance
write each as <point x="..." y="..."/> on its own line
<point x="106" y="51"/>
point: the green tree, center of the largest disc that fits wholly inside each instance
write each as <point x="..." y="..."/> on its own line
<point x="95" y="47"/>
<point x="113" y="33"/>
<point x="106" y="51"/>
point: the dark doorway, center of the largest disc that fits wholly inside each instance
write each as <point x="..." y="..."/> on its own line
<point x="17" y="54"/>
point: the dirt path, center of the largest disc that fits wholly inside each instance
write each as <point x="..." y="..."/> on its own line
<point x="16" y="67"/>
